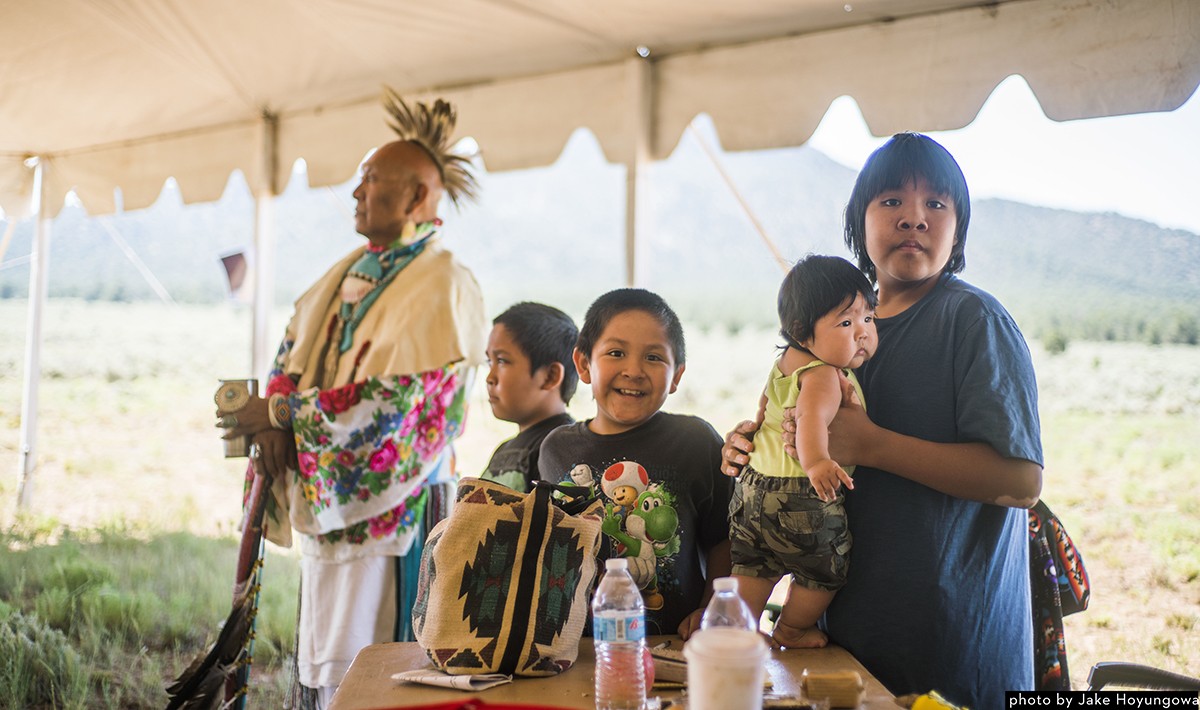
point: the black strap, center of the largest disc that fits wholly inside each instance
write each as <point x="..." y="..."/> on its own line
<point x="576" y="500"/>
<point x="1138" y="676"/>
<point x="527" y="576"/>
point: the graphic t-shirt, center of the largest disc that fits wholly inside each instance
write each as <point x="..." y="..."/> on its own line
<point x="514" y="463"/>
<point x="666" y="503"/>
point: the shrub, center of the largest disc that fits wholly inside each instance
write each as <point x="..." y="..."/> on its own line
<point x="1055" y="342"/>
<point x="38" y="666"/>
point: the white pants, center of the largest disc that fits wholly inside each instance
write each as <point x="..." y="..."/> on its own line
<point x="344" y="608"/>
<point x="325" y="696"/>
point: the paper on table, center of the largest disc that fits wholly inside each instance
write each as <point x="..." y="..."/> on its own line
<point x="469" y="683"/>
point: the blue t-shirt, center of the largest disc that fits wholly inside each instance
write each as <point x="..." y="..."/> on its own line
<point x="938" y="596"/>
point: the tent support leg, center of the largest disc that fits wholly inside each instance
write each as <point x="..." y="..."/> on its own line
<point x="264" y="283"/>
<point x="640" y="121"/>
<point x="38" y="273"/>
<point x="261" y="355"/>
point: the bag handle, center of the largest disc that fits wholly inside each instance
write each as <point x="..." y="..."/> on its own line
<point x="575" y="501"/>
<point x="523" y="604"/>
<point x="523" y="600"/>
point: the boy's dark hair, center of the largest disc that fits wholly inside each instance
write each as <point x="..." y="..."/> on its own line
<point x="815" y="286"/>
<point x="893" y="166"/>
<point x="614" y="303"/>
<point x="546" y="335"/>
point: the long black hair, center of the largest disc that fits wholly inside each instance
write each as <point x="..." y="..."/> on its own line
<point x="893" y="166"/>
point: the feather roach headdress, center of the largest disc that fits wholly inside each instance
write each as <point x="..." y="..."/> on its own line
<point x="430" y="128"/>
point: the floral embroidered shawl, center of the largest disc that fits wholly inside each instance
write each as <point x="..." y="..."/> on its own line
<point x="365" y="447"/>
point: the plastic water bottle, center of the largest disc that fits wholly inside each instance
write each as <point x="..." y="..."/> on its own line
<point x="726" y="608"/>
<point x="619" y="628"/>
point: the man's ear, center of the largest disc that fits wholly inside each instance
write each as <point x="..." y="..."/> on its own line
<point x="552" y="376"/>
<point x="676" y="378"/>
<point x="582" y="367"/>
<point x="420" y="192"/>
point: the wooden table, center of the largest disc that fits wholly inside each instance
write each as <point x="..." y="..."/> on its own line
<point x="368" y="683"/>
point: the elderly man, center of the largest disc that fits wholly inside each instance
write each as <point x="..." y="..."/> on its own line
<point x="368" y="388"/>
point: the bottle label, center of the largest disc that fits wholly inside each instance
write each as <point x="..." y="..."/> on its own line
<point x="619" y="627"/>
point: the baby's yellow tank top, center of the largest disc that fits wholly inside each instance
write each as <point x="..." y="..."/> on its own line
<point x="768" y="457"/>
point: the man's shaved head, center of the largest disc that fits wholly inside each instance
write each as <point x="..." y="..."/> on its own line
<point x="411" y="157"/>
<point x="400" y="183"/>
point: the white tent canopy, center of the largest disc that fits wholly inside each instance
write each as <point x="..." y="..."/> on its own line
<point x="126" y="93"/>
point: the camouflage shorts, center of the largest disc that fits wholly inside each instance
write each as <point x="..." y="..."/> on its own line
<point x="778" y="525"/>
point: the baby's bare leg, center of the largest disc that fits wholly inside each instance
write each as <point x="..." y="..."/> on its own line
<point x="796" y="627"/>
<point x="755" y="591"/>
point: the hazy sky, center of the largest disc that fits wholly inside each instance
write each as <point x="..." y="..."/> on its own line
<point x="1145" y="165"/>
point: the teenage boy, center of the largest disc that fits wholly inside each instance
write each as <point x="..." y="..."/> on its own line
<point x="666" y="500"/>
<point x="531" y="378"/>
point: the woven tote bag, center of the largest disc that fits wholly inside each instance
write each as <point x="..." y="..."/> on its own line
<point x="505" y="580"/>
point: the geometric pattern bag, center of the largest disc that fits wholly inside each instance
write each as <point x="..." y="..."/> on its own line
<point x="505" y="579"/>
<point x="1060" y="586"/>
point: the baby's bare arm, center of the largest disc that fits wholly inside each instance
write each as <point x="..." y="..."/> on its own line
<point x="816" y="406"/>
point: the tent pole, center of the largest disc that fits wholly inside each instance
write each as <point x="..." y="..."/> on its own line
<point x="780" y="259"/>
<point x="261" y="356"/>
<point x="640" y="122"/>
<point x="38" y="272"/>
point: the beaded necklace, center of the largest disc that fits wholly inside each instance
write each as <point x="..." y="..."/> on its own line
<point x="362" y="286"/>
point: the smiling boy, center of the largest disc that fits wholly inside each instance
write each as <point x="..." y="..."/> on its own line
<point x="530" y="380"/>
<point x="665" y="497"/>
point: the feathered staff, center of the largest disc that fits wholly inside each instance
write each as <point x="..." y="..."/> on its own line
<point x="431" y="129"/>
<point x="226" y="666"/>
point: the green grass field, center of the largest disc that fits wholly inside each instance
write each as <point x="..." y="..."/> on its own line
<point x="130" y="547"/>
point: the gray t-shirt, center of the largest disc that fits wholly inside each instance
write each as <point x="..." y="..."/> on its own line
<point x="938" y="595"/>
<point x="514" y="463"/>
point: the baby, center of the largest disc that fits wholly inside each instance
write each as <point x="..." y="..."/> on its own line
<point x="787" y="516"/>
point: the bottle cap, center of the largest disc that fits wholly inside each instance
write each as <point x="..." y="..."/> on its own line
<point x="616" y="563"/>
<point x="725" y="584"/>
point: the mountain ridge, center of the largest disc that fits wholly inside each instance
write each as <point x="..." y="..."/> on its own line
<point x="557" y="234"/>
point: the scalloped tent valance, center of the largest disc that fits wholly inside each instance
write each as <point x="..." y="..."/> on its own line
<point x="124" y="93"/>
